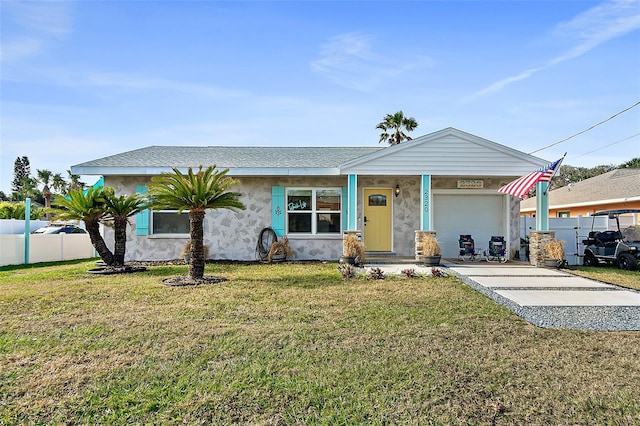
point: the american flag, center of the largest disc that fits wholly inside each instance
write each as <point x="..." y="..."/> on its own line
<point x="521" y="186"/>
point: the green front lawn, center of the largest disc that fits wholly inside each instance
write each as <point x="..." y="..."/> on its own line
<point x="294" y="344"/>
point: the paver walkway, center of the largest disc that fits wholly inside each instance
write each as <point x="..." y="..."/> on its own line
<point x="548" y="297"/>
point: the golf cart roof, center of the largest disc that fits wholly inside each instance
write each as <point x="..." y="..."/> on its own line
<point x="613" y="213"/>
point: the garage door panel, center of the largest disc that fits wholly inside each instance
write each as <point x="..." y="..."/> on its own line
<point x="478" y="215"/>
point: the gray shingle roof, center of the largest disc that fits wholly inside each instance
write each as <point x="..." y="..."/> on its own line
<point x="614" y="185"/>
<point x="231" y="157"/>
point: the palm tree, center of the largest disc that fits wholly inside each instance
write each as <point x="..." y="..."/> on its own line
<point x="196" y="192"/>
<point x="59" y="184"/>
<point x="118" y="209"/>
<point x="395" y="123"/>
<point x="44" y="176"/>
<point x="88" y="207"/>
<point x="74" y="181"/>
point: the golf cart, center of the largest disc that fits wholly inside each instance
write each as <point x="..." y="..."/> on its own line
<point x="610" y="246"/>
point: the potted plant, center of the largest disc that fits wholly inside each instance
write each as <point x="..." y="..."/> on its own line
<point x="352" y="250"/>
<point x="186" y="252"/>
<point x="430" y="249"/>
<point x="280" y="250"/>
<point x="554" y="253"/>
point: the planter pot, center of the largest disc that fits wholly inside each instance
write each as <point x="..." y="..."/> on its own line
<point x="349" y="260"/>
<point x="279" y="257"/>
<point x="552" y="263"/>
<point x="430" y="260"/>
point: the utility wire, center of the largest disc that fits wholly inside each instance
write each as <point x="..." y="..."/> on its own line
<point x="586" y="130"/>
<point x="608" y="145"/>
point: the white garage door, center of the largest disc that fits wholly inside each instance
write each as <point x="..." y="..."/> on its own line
<point x="481" y="216"/>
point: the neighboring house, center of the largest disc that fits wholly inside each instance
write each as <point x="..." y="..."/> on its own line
<point x="445" y="181"/>
<point x="617" y="189"/>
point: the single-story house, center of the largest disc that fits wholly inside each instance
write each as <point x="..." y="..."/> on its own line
<point x="617" y="189"/>
<point x="446" y="181"/>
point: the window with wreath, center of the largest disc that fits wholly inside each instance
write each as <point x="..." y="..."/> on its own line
<point x="169" y="222"/>
<point x="314" y="210"/>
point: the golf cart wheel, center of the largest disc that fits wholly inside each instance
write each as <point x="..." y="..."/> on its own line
<point x="627" y="262"/>
<point x="589" y="260"/>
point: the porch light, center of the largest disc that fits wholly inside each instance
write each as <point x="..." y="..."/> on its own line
<point x="397" y="190"/>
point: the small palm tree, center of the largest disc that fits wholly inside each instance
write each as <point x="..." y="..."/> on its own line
<point x="118" y="210"/>
<point x="44" y="176"/>
<point x="196" y="192"/>
<point x="392" y="126"/>
<point x="88" y="207"/>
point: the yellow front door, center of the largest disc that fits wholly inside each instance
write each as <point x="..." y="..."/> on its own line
<point x="377" y="219"/>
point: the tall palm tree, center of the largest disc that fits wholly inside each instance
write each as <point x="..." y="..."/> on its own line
<point x="44" y="176"/>
<point x="392" y="126"/>
<point x="59" y="184"/>
<point x="196" y="192"/>
<point x="118" y="210"/>
<point x="88" y="207"/>
<point x="74" y="181"/>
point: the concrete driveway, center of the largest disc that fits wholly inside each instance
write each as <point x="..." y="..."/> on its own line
<point x="545" y="297"/>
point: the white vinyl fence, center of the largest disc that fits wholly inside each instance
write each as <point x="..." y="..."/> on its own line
<point x="571" y="230"/>
<point x="16" y="226"/>
<point x="42" y="247"/>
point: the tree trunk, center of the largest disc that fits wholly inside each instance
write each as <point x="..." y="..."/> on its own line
<point x="46" y="193"/>
<point x="93" y="228"/>
<point x="120" y="236"/>
<point x="196" y="264"/>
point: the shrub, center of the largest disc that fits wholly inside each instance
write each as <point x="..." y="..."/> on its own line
<point x="438" y="273"/>
<point x="409" y="273"/>
<point x="346" y="270"/>
<point x="376" y="274"/>
<point x="554" y="249"/>
<point x="280" y="247"/>
<point x="430" y="246"/>
<point x="353" y="247"/>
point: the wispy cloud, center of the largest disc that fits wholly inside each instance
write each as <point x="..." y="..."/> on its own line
<point x="349" y="60"/>
<point x="30" y="26"/>
<point x="586" y="31"/>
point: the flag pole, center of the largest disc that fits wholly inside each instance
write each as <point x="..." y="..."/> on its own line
<point x="554" y="174"/>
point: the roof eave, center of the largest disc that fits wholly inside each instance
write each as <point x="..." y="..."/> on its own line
<point x="233" y="171"/>
<point x="585" y="204"/>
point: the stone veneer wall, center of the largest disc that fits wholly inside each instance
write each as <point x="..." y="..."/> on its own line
<point x="537" y="241"/>
<point x="231" y="235"/>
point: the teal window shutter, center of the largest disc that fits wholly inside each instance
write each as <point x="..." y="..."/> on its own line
<point x="142" y="218"/>
<point x="345" y="197"/>
<point x="277" y="210"/>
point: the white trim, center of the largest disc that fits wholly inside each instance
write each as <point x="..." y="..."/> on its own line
<point x="314" y="212"/>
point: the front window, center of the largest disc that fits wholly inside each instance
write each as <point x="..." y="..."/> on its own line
<point x="169" y="222"/>
<point x="314" y="210"/>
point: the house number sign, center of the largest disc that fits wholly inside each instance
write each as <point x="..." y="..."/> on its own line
<point x="470" y="184"/>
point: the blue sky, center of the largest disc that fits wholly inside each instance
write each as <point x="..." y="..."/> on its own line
<point x="83" y="80"/>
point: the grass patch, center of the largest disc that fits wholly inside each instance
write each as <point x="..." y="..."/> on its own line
<point x="610" y="274"/>
<point x="294" y="344"/>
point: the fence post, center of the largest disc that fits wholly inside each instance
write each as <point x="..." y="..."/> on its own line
<point x="27" y="228"/>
